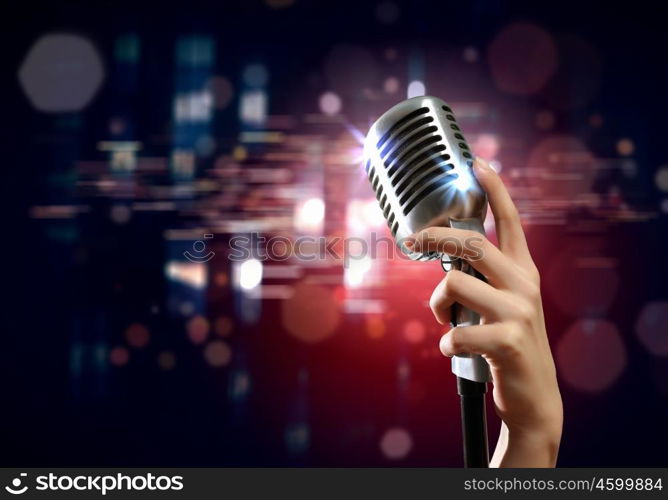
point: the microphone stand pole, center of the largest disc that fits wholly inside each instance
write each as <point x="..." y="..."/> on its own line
<point x="474" y="422"/>
<point x="471" y="393"/>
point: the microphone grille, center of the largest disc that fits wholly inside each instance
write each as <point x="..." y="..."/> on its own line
<point x="412" y="151"/>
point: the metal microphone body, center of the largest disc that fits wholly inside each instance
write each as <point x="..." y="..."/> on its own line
<point x="419" y="166"/>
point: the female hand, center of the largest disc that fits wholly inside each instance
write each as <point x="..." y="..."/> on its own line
<point x="511" y="336"/>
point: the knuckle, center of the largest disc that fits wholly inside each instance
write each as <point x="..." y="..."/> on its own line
<point x="533" y="273"/>
<point x="511" y="341"/>
<point x="474" y="239"/>
<point x="430" y="237"/>
<point x="435" y="299"/>
<point x="511" y="214"/>
<point x="533" y="291"/>
<point x="524" y="311"/>
<point x="429" y="232"/>
<point x="469" y="234"/>
<point x="452" y="282"/>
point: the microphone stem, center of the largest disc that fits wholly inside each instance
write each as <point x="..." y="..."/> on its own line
<point x="474" y="422"/>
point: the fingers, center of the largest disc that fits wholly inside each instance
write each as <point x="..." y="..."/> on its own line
<point x="511" y="235"/>
<point x="471" y="246"/>
<point x="491" y="340"/>
<point x="471" y="293"/>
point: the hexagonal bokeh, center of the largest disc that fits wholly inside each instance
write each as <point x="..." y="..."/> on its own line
<point x="61" y="73"/>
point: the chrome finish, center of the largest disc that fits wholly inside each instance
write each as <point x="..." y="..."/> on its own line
<point x="419" y="166"/>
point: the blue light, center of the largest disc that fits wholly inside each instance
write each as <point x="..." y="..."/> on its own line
<point x="464" y="180"/>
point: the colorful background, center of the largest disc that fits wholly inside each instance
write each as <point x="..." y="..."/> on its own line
<point x="136" y="133"/>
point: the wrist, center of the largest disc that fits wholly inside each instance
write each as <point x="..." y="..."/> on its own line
<point x="524" y="447"/>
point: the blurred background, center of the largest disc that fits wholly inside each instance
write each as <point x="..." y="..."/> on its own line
<point x="141" y="139"/>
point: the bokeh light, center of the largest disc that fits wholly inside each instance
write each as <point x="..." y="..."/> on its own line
<point x="297" y="438"/>
<point x="193" y="107"/>
<point x="310" y="215"/>
<point x="221" y="279"/>
<point x="580" y="280"/>
<point x="470" y="54"/>
<point x="396" y="443"/>
<point x="127" y="48"/>
<point x="545" y="120"/>
<point x="239" y="153"/>
<point x="166" y="360"/>
<point x="651" y="327"/>
<point x="330" y="103"/>
<point x="120" y="214"/>
<point x="371" y="214"/>
<point x="356" y="270"/>
<point x="117" y="125"/>
<point x="137" y="335"/>
<point x="186" y="308"/>
<point x="198" y="329"/>
<point x="222" y="91"/>
<point x="250" y="274"/>
<point x="217" y="353"/>
<point x="312" y="314"/>
<point x="119" y="356"/>
<point x="596" y="120"/>
<point x="625" y="147"/>
<point x="61" y="73"/>
<point x="239" y="385"/>
<point x="486" y="146"/>
<point x="223" y="326"/>
<point x="414" y="331"/>
<point x="375" y="326"/>
<point x="591" y="355"/>
<point x="256" y="75"/>
<point x="661" y="178"/>
<point x="364" y="216"/>
<point x="205" y="146"/>
<point x="415" y="88"/>
<point x="562" y="168"/>
<point x="522" y="58"/>
<point x="192" y="274"/>
<point x="664" y="206"/>
<point x="253" y="107"/>
<point x="391" y="85"/>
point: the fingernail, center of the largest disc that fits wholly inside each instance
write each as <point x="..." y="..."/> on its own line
<point x="480" y="163"/>
<point x="411" y="242"/>
<point x="443" y="347"/>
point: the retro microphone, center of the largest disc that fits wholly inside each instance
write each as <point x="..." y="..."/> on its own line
<point x="419" y="166"/>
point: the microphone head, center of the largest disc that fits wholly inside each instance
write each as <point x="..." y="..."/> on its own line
<point x="419" y="166"/>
